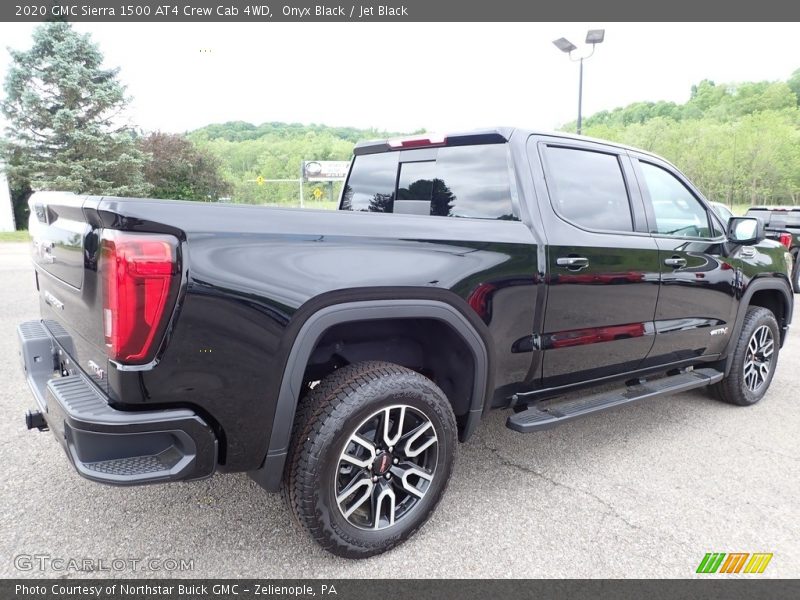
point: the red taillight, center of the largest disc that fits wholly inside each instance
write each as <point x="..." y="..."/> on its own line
<point x="138" y="271"/>
<point x="423" y="141"/>
<point x="785" y="238"/>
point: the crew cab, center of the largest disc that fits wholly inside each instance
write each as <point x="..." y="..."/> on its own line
<point x="341" y="355"/>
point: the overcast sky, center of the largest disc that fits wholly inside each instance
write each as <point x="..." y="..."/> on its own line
<point x="438" y="76"/>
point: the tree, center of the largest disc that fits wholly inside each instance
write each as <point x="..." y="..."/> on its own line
<point x="739" y="142"/>
<point x="64" y="110"/>
<point x="380" y="203"/>
<point x="794" y="84"/>
<point x="179" y="170"/>
<point x="442" y="199"/>
<point x="274" y="151"/>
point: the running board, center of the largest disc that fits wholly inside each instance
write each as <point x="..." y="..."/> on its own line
<point x="540" y="418"/>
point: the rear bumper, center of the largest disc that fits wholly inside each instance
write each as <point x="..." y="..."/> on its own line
<point x="109" y="445"/>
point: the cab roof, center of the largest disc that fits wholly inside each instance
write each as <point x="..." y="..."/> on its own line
<point x="495" y="135"/>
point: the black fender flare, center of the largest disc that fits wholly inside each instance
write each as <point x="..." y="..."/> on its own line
<point x="757" y="285"/>
<point x="315" y="323"/>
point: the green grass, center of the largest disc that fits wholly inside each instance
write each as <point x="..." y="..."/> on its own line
<point x="322" y="205"/>
<point x="312" y="204"/>
<point x="14" y="236"/>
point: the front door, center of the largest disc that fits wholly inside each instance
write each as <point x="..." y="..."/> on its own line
<point x="696" y="310"/>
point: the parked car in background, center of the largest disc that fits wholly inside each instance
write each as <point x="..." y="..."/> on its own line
<point x="782" y="223"/>
<point x="722" y="210"/>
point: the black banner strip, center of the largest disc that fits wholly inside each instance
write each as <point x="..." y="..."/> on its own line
<point x="732" y="588"/>
<point x="265" y="11"/>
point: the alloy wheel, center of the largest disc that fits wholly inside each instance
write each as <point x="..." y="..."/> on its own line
<point x="386" y="467"/>
<point x="758" y="358"/>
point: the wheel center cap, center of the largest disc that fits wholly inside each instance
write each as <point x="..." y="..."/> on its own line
<point x="382" y="463"/>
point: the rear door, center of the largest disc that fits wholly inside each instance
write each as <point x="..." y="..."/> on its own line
<point x="696" y="308"/>
<point x="602" y="264"/>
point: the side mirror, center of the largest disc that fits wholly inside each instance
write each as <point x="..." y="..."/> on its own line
<point x="745" y="230"/>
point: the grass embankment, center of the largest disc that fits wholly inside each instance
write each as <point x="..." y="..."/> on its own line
<point x="14" y="236"/>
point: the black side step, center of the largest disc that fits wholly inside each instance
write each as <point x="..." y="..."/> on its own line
<point x="538" y="418"/>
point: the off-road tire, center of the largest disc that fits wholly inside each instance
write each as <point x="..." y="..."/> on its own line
<point x="326" y="419"/>
<point x="733" y="389"/>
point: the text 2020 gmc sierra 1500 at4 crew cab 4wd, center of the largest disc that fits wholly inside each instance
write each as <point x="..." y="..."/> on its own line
<point x="341" y="355"/>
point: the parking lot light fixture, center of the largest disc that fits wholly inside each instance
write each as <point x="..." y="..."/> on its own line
<point x="565" y="45"/>
<point x="593" y="37"/>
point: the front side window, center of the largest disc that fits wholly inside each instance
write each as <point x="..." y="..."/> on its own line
<point x="461" y="181"/>
<point x="588" y="188"/>
<point x="677" y="211"/>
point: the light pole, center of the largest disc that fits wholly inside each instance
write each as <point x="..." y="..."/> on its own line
<point x="593" y="37"/>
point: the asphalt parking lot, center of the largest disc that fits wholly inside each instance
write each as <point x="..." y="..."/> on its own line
<point x="644" y="491"/>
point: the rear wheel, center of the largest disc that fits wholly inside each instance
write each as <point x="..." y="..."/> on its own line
<point x="796" y="273"/>
<point x="754" y="360"/>
<point x="371" y="455"/>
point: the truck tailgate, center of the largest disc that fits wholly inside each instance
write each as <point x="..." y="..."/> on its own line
<point x="65" y="253"/>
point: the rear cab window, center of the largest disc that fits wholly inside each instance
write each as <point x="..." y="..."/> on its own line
<point x="453" y="181"/>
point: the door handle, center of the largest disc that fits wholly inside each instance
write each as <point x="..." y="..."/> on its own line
<point x="572" y="262"/>
<point x="676" y="262"/>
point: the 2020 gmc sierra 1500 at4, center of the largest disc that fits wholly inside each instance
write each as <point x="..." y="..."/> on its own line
<point x="340" y="355"/>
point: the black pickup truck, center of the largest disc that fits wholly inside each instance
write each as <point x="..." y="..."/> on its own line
<point x="340" y="355"/>
<point x="782" y="223"/>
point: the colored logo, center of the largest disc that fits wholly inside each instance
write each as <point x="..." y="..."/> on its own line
<point x="735" y="562"/>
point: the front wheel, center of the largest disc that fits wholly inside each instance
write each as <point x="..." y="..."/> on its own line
<point x="755" y="357"/>
<point x="371" y="454"/>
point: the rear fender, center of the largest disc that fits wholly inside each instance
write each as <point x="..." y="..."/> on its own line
<point x="314" y="327"/>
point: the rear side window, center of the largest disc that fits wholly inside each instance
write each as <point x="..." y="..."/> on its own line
<point x="460" y="181"/>
<point x="588" y="188"/>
